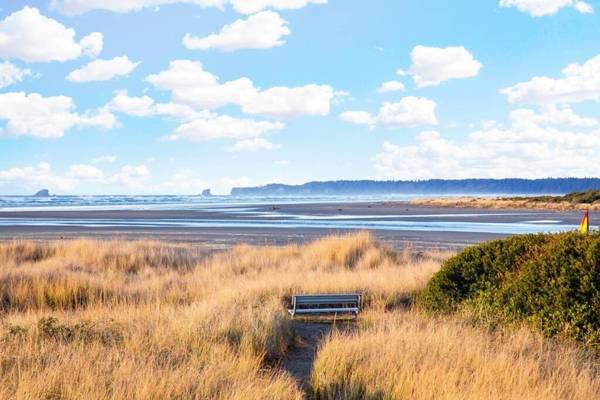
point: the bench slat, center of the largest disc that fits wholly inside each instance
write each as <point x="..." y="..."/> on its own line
<point x="324" y="310"/>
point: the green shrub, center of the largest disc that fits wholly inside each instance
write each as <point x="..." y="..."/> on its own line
<point x="550" y="282"/>
<point x="588" y="197"/>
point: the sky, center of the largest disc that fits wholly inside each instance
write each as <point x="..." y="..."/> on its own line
<point x="176" y="96"/>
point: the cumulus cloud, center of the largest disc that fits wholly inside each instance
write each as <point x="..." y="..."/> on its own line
<point x="580" y="82"/>
<point x="259" y="31"/>
<point x="550" y="116"/>
<point x="223" y="127"/>
<point x="291" y="102"/>
<point x="391" y="86"/>
<point x="434" y="65"/>
<point x="11" y="74"/>
<point x="46" y="117"/>
<point x="194" y="125"/>
<point x="190" y="84"/>
<point x="145" y="106"/>
<point x="540" y="8"/>
<point x="138" y="106"/>
<point x="92" y="44"/>
<point x="409" y="111"/>
<point x="252" y="6"/>
<point x="77" y="7"/>
<point x="82" y="171"/>
<point x="36" y="176"/>
<point x="30" y="36"/>
<point x="530" y="148"/>
<point x="103" y="70"/>
<point x="131" y="176"/>
<point x="252" y="145"/>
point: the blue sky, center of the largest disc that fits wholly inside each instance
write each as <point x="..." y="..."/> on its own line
<point x="174" y="96"/>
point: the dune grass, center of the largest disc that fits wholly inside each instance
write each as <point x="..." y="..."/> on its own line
<point x="415" y="356"/>
<point x="589" y="200"/>
<point x="149" y="320"/>
<point x="140" y="320"/>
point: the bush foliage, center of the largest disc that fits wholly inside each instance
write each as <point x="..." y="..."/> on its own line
<point x="587" y="197"/>
<point x="550" y="282"/>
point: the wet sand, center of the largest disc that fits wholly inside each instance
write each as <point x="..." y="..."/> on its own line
<point x="226" y="236"/>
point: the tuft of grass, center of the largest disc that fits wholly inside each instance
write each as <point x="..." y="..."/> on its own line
<point x="415" y="356"/>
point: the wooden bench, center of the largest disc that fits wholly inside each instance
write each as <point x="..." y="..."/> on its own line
<point x="313" y="304"/>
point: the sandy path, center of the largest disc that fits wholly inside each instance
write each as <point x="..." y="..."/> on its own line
<point x="299" y="360"/>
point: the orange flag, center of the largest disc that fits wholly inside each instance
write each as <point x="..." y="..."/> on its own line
<point x="584" y="226"/>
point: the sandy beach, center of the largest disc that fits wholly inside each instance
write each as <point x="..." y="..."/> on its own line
<point x="399" y="224"/>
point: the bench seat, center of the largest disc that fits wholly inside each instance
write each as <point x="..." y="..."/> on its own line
<point x="315" y="304"/>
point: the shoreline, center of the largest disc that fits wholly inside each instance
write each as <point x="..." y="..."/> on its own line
<point x="398" y="224"/>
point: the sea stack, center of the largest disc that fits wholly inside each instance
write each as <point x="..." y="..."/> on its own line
<point x="43" y="193"/>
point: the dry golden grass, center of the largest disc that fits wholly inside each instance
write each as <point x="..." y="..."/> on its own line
<point x="499" y="202"/>
<point x="149" y="320"/>
<point x="412" y="356"/>
<point x="139" y="320"/>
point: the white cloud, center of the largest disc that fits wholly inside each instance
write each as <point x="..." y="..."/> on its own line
<point x="46" y="117"/>
<point x="33" y="178"/>
<point x="540" y="8"/>
<point x="252" y="145"/>
<point x="92" y="44"/>
<point x="223" y="127"/>
<point x="139" y="106"/>
<point x="291" y="102"/>
<point x="103" y="70"/>
<point x="551" y="116"/>
<point x="28" y="35"/>
<point x="144" y="106"/>
<point x="105" y="159"/>
<point x="583" y="7"/>
<point x="181" y="111"/>
<point x="77" y="7"/>
<point x="530" y="148"/>
<point x="194" y="125"/>
<point x="579" y="83"/>
<point x="131" y="176"/>
<point x="409" y="111"/>
<point x="190" y="84"/>
<point x="391" y="86"/>
<point x="259" y="31"/>
<point x="434" y="65"/>
<point x="252" y="6"/>
<point x="82" y="171"/>
<point x="11" y="74"/>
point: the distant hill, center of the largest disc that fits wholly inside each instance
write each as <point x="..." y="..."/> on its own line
<point x="433" y="186"/>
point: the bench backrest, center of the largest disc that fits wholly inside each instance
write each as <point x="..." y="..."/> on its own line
<point x="324" y="299"/>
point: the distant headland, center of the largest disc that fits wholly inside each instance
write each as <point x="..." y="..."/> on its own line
<point x="425" y="187"/>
